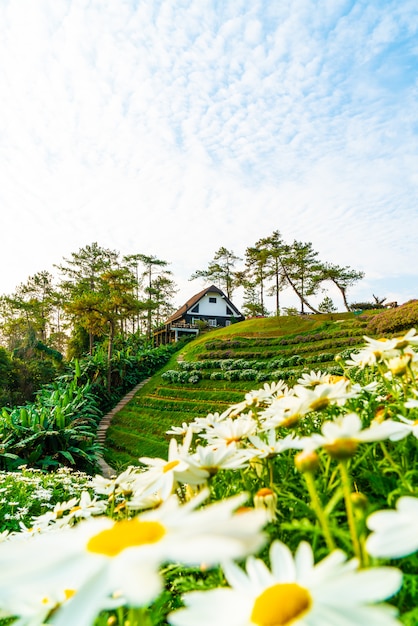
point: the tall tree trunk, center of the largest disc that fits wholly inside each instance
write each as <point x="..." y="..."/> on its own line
<point x="297" y="292"/>
<point x="342" y="290"/>
<point x="109" y="354"/>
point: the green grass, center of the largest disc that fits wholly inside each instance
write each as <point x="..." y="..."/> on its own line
<point x="140" y="428"/>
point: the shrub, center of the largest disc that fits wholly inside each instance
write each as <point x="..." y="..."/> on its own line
<point x="248" y="374"/>
<point x="217" y="376"/>
<point x="393" y="320"/>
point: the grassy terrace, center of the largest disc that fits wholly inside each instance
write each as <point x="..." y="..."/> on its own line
<point x="139" y="429"/>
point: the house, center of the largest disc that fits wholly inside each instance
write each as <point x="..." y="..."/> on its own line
<point x="210" y="305"/>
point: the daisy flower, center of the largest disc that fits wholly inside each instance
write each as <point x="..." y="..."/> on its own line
<point x="183" y="430"/>
<point x="295" y="592"/>
<point x="122" y="484"/>
<point x="273" y="446"/>
<point x="285" y="411"/>
<point x="259" y="397"/>
<point x="163" y="475"/>
<point x="210" y="459"/>
<point x="324" y="394"/>
<point x="100" y="557"/>
<point x="406" y="427"/>
<point x="394" y="532"/>
<point x="57" y="513"/>
<point x="341" y="437"/>
<point x="231" y="431"/>
<point x="205" y="424"/>
<point x="313" y="379"/>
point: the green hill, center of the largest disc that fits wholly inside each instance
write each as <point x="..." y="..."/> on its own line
<point x="216" y="369"/>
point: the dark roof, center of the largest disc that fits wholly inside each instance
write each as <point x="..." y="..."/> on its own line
<point x="186" y="306"/>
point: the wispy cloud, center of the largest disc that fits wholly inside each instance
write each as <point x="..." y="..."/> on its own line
<point x="173" y="127"/>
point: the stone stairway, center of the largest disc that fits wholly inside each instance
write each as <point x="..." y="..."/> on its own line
<point x="104" y="424"/>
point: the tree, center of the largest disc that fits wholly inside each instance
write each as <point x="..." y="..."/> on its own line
<point x="163" y="290"/>
<point x="82" y="274"/>
<point x="342" y="277"/>
<point x="220" y="270"/>
<point x="102" y="312"/>
<point x="254" y="276"/>
<point x="28" y="314"/>
<point x="274" y="248"/>
<point x="153" y="272"/>
<point x="327" y="305"/>
<point x="301" y="269"/>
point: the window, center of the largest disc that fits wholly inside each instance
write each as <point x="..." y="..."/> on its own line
<point x="195" y="309"/>
<point x="229" y="311"/>
<point x="227" y="322"/>
<point x="212" y="322"/>
<point x="212" y="300"/>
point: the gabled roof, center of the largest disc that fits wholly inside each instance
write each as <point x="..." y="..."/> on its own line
<point x="195" y="299"/>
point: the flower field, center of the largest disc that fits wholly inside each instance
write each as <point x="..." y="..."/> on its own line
<point x="296" y="505"/>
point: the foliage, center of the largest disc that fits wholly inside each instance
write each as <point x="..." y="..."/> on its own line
<point x="57" y="429"/>
<point x="319" y="460"/>
<point x="265" y="356"/>
<point x="327" y="305"/>
<point x="59" y="426"/>
<point x="220" y="270"/>
<point x="394" y="320"/>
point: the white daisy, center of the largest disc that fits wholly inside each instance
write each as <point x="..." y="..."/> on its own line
<point x="341" y="437"/>
<point x="163" y="475"/>
<point x="313" y="379"/>
<point x="285" y="411"/>
<point x="324" y="394"/>
<point x="231" y="431"/>
<point x="122" y="484"/>
<point x="99" y="557"/>
<point x="210" y="459"/>
<point x="257" y="398"/>
<point x="183" y="429"/>
<point x="295" y="592"/>
<point x="274" y="444"/>
<point x="394" y="531"/>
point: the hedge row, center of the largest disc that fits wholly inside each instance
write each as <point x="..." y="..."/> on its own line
<point x="193" y="377"/>
<point x="270" y="354"/>
<point x="229" y="344"/>
<point x="270" y="364"/>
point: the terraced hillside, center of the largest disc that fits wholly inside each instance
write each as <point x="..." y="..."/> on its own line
<point x="216" y="369"/>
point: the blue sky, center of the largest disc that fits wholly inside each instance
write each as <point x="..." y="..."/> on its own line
<point x="175" y="127"/>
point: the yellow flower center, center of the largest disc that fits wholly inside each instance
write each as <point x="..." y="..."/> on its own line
<point x="319" y="404"/>
<point x="169" y="466"/>
<point x="125" y="534"/>
<point x="232" y="440"/>
<point x="343" y="448"/>
<point x="280" y="605"/>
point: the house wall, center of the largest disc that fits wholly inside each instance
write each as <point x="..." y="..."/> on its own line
<point x="212" y="309"/>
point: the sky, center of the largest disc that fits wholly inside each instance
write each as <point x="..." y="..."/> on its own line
<point x="175" y="127"/>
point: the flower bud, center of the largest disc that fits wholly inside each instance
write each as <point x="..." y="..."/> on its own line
<point x="266" y="500"/>
<point x="359" y="500"/>
<point x="307" y="461"/>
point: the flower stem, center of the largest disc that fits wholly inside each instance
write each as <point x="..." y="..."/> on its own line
<point x="346" y="483"/>
<point x="139" y="617"/>
<point x="319" y="511"/>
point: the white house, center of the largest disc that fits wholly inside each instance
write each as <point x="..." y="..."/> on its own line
<point x="210" y="305"/>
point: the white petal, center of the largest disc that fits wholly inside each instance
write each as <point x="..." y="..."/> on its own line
<point x="282" y="564"/>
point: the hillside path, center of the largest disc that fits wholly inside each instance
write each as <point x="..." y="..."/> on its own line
<point x="104" y="424"/>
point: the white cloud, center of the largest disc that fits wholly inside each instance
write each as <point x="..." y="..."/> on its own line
<point x="173" y="127"/>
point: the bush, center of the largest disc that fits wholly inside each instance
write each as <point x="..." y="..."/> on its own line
<point x="393" y="320"/>
<point x="217" y="376"/>
<point x="248" y="374"/>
